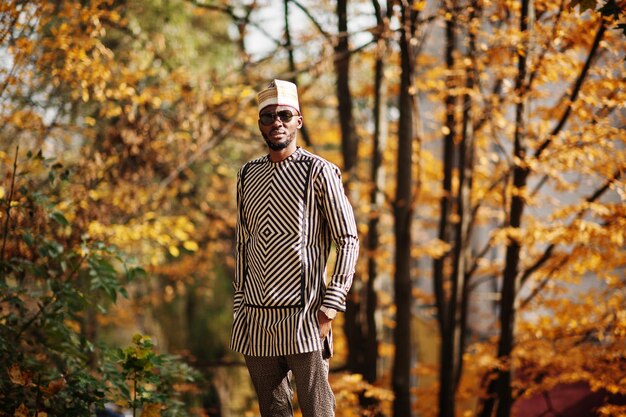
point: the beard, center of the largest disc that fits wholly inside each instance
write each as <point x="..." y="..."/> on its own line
<point x="277" y="146"/>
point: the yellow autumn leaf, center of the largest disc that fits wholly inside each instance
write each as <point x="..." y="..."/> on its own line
<point x="72" y="325"/>
<point x="180" y="234"/>
<point x="435" y="249"/>
<point x="17" y="376"/>
<point x="174" y="251"/>
<point x="419" y="6"/>
<point x="55" y="386"/>
<point x="190" y="245"/>
<point x="386" y="350"/>
<point x="151" y="410"/>
<point x="21" y="411"/>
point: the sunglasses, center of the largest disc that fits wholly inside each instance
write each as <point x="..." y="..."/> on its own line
<point x="267" y="119"/>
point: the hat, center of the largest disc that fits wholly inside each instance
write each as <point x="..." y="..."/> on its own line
<point x="280" y="93"/>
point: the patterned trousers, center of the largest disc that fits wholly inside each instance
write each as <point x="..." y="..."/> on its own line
<point x="271" y="379"/>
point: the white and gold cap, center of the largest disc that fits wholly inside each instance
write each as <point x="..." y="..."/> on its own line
<point x="280" y="93"/>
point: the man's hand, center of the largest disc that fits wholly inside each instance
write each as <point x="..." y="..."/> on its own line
<point x="325" y="324"/>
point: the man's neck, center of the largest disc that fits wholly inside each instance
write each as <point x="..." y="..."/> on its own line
<point x="282" y="154"/>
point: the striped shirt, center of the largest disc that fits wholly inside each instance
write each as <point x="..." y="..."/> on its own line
<point x="289" y="214"/>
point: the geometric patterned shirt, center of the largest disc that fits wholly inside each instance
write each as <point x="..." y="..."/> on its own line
<point x="289" y="213"/>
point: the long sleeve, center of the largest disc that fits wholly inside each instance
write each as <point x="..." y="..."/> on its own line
<point x="340" y="219"/>
<point x="240" y="254"/>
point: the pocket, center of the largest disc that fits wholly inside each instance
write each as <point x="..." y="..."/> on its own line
<point x="327" y="349"/>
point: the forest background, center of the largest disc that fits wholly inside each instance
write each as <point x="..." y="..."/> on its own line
<point x="483" y="148"/>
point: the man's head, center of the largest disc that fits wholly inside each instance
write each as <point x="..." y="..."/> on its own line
<point x="279" y="92"/>
<point x="279" y="114"/>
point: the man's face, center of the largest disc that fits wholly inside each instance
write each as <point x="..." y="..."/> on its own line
<point x="277" y="127"/>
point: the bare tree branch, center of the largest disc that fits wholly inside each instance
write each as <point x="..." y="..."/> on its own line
<point x="217" y="138"/>
<point x="576" y="88"/>
<point x="314" y="21"/>
<point x="550" y="249"/>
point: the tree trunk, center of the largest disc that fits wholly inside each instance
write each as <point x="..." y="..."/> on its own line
<point x="402" y="227"/>
<point x="446" y="304"/>
<point x="510" y="282"/>
<point x="349" y="140"/>
<point x="376" y="200"/>
<point x="353" y="323"/>
<point x="462" y="251"/>
<point x="500" y="388"/>
<point x="304" y="132"/>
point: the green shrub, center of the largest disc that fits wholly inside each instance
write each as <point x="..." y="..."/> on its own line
<point x="53" y="283"/>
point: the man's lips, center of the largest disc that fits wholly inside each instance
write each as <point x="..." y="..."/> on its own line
<point x="276" y="133"/>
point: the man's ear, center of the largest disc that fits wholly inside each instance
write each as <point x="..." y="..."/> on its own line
<point x="299" y="126"/>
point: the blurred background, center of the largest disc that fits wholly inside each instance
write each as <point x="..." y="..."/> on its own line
<point x="482" y="146"/>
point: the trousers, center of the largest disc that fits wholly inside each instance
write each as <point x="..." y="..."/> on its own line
<point x="271" y="377"/>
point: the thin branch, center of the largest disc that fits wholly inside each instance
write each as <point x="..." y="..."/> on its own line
<point x="137" y="36"/>
<point x="226" y="9"/>
<point x="576" y="89"/>
<point x="502" y="178"/>
<point x="607" y="110"/>
<point x="42" y="307"/>
<point x="201" y="150"/>
<point x="547" y="45"/>
<point x="323" y="59"/>
<point x="548" y="252"/>
<point x="315" y="23"/>
<point x="539" y="185"/>
<point x="539" y="288"/>
<point x="22" y="35"/>
<point x="7" y="79"/>
<point x="496" y="90"/>
<point x="240" y="21"/>
<point x="550" y="249"/>
<point x="7" y="27"/>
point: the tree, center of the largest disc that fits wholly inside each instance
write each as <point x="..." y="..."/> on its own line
<point x="353" y="326"/>
<point x="108" y="96"/>
<point x="477" y="189"/>
<point x="376" y="198"/>
<point x="448" y="306"/>
<point x="403" y="213"/>
<point x="511" y="275"/>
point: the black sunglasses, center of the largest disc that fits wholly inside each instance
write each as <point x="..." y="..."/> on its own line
<point x="267" y="119"/>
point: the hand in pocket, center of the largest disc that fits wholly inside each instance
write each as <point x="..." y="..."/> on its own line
<point x="325" y="324"/>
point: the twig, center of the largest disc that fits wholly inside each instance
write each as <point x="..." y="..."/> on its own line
<point x="575" y="89"/>
<point x="550" y="249"/>
<point x="315" y="23"/>
<point x="42" y="307"/>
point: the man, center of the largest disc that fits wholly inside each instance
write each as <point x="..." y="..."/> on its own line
<point x="291" y="208"/>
